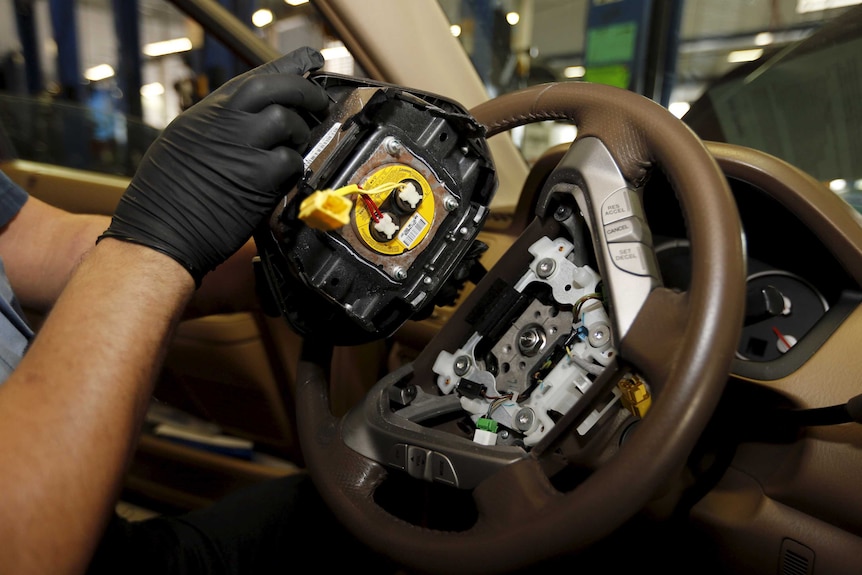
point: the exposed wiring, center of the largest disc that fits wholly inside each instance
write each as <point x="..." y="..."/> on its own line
<point x="372" y="208"/>
<point x="330" y="209"/>
<point x="370" y="204"/>
<point x="497" y="402"/>
<point x="584" y="299"/>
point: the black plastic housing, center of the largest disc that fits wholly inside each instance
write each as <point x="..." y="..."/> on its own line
<point x="337" y="286"/>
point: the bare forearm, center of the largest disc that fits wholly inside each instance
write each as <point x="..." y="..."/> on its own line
<point x="43" y="245"/>
<point x="70" y="413"/>
<point x="41" y="248"/>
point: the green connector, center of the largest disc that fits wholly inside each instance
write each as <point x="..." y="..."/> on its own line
<point x="487" y="424"/>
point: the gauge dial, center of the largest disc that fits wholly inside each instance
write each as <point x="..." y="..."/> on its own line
<point x="781" y="307"/>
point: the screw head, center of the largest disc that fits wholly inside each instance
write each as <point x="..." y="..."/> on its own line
<point x="524" y="419"/>
<point x="545" y="267"/>
<point x="562" y="213"/>
<point x="392" y="146"/>
<point x="462" y="365"/>
<point x="531" y="340"/>
<point x="600" y="335"/>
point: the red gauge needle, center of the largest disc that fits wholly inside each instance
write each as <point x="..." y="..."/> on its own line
<point x="781" y="337"/>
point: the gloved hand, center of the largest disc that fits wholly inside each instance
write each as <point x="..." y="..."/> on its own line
<point x="220" y="167"/>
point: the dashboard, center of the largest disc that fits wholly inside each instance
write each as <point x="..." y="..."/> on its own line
<point x="797" y="292"/>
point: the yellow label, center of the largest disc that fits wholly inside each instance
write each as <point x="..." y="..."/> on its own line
<point x="413" y="226"/>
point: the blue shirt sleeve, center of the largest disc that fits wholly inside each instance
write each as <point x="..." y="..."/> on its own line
<point x="15" y="333"/>
<point x="12" y="198"/>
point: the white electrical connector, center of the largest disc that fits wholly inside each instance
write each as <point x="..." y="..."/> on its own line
<point x="409" y="194"/>
<point x="484" y="437"/>
<point x="386" y="226"/>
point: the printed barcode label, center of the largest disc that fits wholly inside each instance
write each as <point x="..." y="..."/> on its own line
<point x="412" y="230"/>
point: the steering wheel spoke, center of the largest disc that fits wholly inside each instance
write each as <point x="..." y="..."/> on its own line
<point x="653" y="342"/>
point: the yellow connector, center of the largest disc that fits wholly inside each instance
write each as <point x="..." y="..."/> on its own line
<point x="635" y="395"/>
<point x="328" y="209"/>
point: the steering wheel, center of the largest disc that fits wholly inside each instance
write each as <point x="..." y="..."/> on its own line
<point x="681" y="343"/>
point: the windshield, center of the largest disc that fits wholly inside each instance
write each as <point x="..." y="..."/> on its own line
<point x="746" y="72"/>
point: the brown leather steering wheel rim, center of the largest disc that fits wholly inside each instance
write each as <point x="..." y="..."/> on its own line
<point x="690" y="361"/>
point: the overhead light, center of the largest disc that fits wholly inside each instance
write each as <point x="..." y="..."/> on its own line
<point x="838" y="186"/>
<point x="764" y="39"/>
<point x="574" y="72"/>
<point x="455" y="30"/>
<point x="166" y="47"/>
<point x="296" y="2"/>
<point x="738" y="56"/>
<point x="679" y="109"/>
<point x="513" y="18"/>
<point x="261" y="17"/>
<point x="152" y="90"/>
<point x="99" y="72"/>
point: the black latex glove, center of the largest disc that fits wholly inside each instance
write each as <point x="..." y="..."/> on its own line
<point x="220" y="167"/>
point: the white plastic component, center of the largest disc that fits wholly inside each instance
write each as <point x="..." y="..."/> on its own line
<point x="444" y="367"/>
<point x="484" y="437"/>
<point x="475" y="407"/>
<point x="386" y="226"/>
<point x="446" y="378"/>
<point x="589" y="350"/>
<point x="596" y="414"/>
<point x="409" y="194"/>
<point x="568" y="281"/>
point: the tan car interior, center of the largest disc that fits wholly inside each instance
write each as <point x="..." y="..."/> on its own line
<point x="236" y="370"/>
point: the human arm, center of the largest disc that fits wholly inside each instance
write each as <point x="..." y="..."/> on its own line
<point x="43" y="244"/>
<point x="70" y="412"/>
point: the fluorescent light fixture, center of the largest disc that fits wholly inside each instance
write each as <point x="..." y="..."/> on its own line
<point x="738" y="56"/>
<point x="166" y="47"/>
<point x="803" y="6"/>
<point x="857" y="185"/>
<point x="679" y="109"/>
<point x="100" y="72"/>
<point x="574" y="72"/>
<point x="152" y="90"/>
<point x="296" y="2"/>
<point x="262" y="17"/>
<point x="455" y="30"/>
<point x="838" y="186"/>
<point x="764" y="39"/>
<point x="513" y="18"/>
<point x="335" y="52"/>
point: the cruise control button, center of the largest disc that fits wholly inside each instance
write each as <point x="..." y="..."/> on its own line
<point x="417" y="459"/>
<point x="441" y="469"/>
<point x="634" y="258"/>
<point x="621" y="204"/>
<point x="627" y="230"/>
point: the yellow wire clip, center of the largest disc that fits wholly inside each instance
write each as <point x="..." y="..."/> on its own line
<point x="330" y="209"/>
<point x="635" y="395"/>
